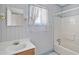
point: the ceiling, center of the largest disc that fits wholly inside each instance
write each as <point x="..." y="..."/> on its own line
<point x="62" y="5"/>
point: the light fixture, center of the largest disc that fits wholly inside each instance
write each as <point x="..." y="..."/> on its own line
<point x="2" y="16"/>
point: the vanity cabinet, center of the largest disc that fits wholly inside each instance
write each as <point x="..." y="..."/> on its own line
<point x="27" y="52"/>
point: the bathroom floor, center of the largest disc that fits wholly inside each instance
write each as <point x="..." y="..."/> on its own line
<point x="53" y="53"/>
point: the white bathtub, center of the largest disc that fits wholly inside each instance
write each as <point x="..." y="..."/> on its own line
<point x="67" y="47"/>
<point x="64" y="51"/>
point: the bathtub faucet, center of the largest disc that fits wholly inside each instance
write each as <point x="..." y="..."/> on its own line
<point x="59" y="41"/>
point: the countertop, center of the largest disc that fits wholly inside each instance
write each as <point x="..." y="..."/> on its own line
<point x="4" y="45"/>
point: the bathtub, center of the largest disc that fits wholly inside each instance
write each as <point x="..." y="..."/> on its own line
<point x="67" y="48"/>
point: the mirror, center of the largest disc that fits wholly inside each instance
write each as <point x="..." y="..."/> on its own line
<point x="15" y="17"/>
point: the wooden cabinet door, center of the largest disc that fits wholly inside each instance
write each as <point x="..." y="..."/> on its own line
<point x="27" y="52"/>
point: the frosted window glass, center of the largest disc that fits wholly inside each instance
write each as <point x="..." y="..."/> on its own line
<point x="42" y="17"/>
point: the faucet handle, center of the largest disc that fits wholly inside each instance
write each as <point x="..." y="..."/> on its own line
<point x="59" y="41"/>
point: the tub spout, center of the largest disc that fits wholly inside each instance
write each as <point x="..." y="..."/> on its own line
<point x="59" y="41"/>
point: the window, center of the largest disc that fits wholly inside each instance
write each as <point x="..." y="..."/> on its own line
<point x="38" y="16"/>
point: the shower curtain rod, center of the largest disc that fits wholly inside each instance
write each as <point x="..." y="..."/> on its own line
<point x="66" y="11"/>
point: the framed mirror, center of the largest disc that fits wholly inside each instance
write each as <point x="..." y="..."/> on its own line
<point x="15" y="17"/>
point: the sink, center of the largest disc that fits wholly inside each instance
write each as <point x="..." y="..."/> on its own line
<point x="16" y="45"/>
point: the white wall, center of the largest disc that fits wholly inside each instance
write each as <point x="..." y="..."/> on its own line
<point x="57" y="29"/>
<point x="73" y="12"/>
<point x="67" y="27"/>
<point x="70" y="6"/>
<point x="0" y="32"/>
<point x="42" y="40"/>
<point x="11" y="33"/>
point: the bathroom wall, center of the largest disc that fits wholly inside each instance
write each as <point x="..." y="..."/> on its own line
<point x="42" y="40"/>
<point x="67" y="28"/>
<point x="70" y="6"/>
<point x="0" y="26"/>
<point x="0" y="32"/>
<point x="57" y="29"/>
<point x="70" y="19"/>
<point x="12" y="33"/>
<point x="59" y="20"/>
<point x="46" y="38"/>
